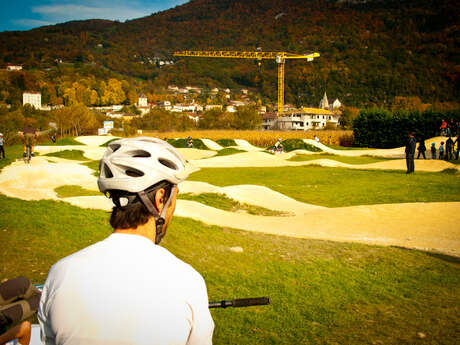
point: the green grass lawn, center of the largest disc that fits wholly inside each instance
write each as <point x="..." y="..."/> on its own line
<point x="12" y="152"/>
<point x="93" y="165"/>
<point x="337" y="187"/>
<point x="226" y="142"/>
<point x="343" y="159"/>
<point x="73" y="190"/>
<point x="321" y="292"/>
<point x="223" y="202"/>
<point x="69" y="154"/>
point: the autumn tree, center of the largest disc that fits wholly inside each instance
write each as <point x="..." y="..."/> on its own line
<point x="247" y="117"/>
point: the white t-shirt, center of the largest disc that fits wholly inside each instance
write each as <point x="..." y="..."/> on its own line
<point x="124" y="290"/>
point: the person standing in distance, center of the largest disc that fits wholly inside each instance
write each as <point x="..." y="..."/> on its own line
<point x="410" y="152"/>
<point x="2" y="150"/>
<point x="127" y="289"/>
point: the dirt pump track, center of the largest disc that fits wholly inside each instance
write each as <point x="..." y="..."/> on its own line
<point x="387" y="224"/>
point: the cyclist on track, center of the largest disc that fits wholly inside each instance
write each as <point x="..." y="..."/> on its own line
<point x="29" y="135"/>
<point x="126" y="289"/>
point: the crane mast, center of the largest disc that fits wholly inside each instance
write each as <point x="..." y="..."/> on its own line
<point x="279" y="57"/>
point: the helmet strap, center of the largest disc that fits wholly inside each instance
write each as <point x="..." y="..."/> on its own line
<point x="159" y="218"/>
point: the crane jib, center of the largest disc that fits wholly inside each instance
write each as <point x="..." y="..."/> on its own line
<point x="280" y="58"/>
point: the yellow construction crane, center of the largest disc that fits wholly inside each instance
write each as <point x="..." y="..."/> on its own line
<point x="280" y="58"/>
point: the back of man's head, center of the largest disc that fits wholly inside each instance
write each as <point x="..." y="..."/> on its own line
<point x="132" y="171"/>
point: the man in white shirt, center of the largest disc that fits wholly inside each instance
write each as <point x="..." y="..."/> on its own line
<point x="126" y="289"/>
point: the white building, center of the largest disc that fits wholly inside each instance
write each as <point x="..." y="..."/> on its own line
<point x="32" y="98"/>
<point x="13" y="67"/>
<point x="336" y="104"/>
<point x="268" y="121"/>
<point x="304" y="119"/>
<point x="230" y="109"/>
<point x="238" y="103"/>
<point x="184" y="108"/>
<point x="165" y="105"/>
<point x="142" y="101"/>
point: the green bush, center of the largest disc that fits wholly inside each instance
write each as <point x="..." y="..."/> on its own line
<point x="226" y="142"/>
<point x="296" y="144"/>
<point x="182" y="143"/>
<point x="380" y="128"/>
<point x="228" y="151"/>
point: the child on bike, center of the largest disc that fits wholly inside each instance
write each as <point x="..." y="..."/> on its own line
<point x="29" y="135"/>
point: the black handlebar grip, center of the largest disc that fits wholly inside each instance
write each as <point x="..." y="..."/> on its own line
<point x="246" y="302"/>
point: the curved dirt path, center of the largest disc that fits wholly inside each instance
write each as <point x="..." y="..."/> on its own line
<point x="245" y="145"/>
<point x="388" y="153"/>
<point x="212" y="144"/>
<point x="264" y="159"/>
<point x="388" y="224"/>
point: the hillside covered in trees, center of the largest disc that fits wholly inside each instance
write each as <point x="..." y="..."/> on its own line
<point x="371" y="52"/>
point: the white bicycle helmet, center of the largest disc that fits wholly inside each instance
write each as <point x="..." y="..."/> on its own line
<point x="135" y="164"/>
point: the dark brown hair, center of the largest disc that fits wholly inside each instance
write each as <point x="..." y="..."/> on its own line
<point x="134" y="213"/>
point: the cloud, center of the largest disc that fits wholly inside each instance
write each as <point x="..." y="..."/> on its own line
<point x="31" y="22"/>
<point x="63" y="13"/>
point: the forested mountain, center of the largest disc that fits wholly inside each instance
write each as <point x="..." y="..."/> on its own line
<point x="371" y="51"/>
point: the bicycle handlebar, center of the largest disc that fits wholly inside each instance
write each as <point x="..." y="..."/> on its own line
<point x="242" y="302"/>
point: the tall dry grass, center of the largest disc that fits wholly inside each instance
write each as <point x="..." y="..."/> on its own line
<point x="262" y="138"/>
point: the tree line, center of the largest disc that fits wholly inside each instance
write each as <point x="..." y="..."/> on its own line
<point x="382" y="128"/>
<point x="78" y="119"/>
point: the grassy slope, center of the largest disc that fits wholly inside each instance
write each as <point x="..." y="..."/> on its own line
<point x="62" y="142"/>
<point x="228" y="151"/>
<point x="12" y="152"/>
<point x="343" y="159"/>
<point x="73" y="190"/>
<point x="321" y="292"/>
<point x="337" y="187"/>
<point x="69" y="154"/>
<point x="222" y="202"/>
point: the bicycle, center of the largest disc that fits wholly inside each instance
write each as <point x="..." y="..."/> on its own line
<point x="28" y="154"/>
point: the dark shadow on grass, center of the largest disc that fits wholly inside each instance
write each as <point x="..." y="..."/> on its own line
<point x="441" y="256"/>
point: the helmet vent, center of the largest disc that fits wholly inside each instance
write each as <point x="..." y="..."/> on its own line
<point x="134" y="173"/>
<point x="114" y="147"/>
<point x="141" y="153"/>
<point x="168" y="163"/>
<point x="107" y="171"/>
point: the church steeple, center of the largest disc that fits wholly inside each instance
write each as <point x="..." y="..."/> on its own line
<point x="324" y="104"/>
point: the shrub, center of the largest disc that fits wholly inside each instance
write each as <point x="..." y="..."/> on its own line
<point x="226" y="142"/>
<point x="182" y="143"/>
<point x="383" y="129"/>
<point x="296" y="144"/>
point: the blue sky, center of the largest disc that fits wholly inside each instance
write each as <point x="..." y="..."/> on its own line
<point x="29" y="14"/>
